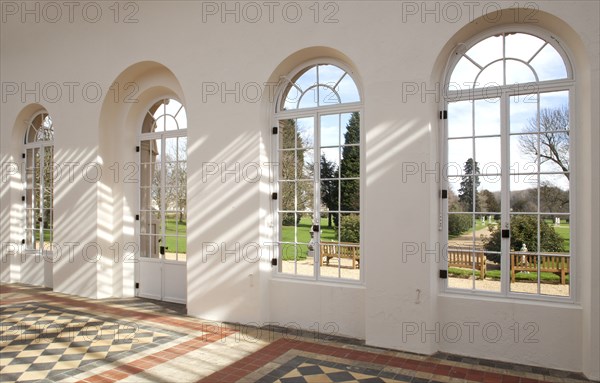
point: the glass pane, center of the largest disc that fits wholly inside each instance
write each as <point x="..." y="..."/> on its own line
<point x="554" y="152"/>
<point x="328" y="96"/>
<point x="555" y="234"/>
<point x="347" y="90"/>
<point x="287" y="134"/>
<point x="523" y="113"/>
<point x="287" y="165"/>
<point x="309" y="99"/>
<point x="524" y="193"/>
<point x="487" y="155"/>
<point x="330" y="159"/>
<point x="350" y="228"/>
<point x="491" y="76"/>
<point x="305" y="195"/>
<point x="518" y="73"/>
<point x="306" y="133"/>
<point x="460" y="230"/>
<point x="305" y="165"/>
<point x="459" y="151"/>
<point x="549" y="65"/>
<point x="463" y="75"/>
<point x="330" y="130"/>
<point x="522" y="46"/>
<point x="350" y="195"/>
<point x="351" y="130"/>
<point x="524" y="232"/>
<point x="350" y="163"/>
<point x="330" y="74"/>
<point x="524" y="273"/>
<point x="287" y="196"/>
<point x="460" y="122"/>
<point x="487" y="117"/>
<point x="554" y="194"/>
<point x="523" y="153"/>
<point x="170" y="248"/>
<point x="555" y="276"/>
<point x="329" y="195"/>
<point x="487" y="50"/>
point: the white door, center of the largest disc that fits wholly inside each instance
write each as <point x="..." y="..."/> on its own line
<point x="163" y="210"/>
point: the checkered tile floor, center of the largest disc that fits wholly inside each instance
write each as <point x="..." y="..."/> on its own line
<point x="50" y="337"/>
<point x="43" y="341"/>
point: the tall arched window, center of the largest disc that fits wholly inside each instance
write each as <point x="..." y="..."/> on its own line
<point x="163" y="182"/>
<point x="39" y="182"/>
<point x="507" y="159"/>
<point x="318" y="149"/>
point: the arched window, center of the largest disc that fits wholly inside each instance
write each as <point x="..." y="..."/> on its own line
<point x="318" y="149"/>
<point x="507" y="145"/>
<point x="163" y="182"/>
<point x="39" y="182"/>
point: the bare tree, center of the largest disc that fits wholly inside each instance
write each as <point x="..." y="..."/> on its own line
<point x="553" y="138"/>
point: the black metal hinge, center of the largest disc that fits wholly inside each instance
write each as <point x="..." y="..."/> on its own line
<point x="274" y="262"/>
<point x="137" y="285"/>
<point x="274" y="196"/>
<point x="137" y="217"/>
<point x="505" y="233"/>
<point x="444" y="194"/>
<point x="162" y="250"/>
<point x="443" y="114"/>
<point x="137" y="149"/>
<point x="275" y="130"/>
<point x="316" y="228"/>
<point x="23" y="155"/>
<point x="22" y="242"/>
<point x="443" y="274"/>
<point x="23" y="198"/>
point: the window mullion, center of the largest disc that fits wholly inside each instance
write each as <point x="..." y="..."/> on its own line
<point x="505" y="193"/>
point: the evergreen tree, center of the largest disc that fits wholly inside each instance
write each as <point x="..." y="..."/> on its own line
<point x="468" y="186"/>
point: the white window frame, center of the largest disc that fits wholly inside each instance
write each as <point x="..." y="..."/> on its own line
<point x="42" y="146"/>
<point x="162" y="136"/>
<point x="505" y="92"/>
<point x="316" y="113"/>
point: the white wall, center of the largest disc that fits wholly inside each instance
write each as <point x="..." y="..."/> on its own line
<point x="388" y="45"/>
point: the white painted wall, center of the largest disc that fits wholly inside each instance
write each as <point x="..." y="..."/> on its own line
<point x="388" y="45"/>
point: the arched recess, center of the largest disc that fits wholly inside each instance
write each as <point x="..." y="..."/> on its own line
<point x="124" y="110"/>
<point x="318" y="87"/>
<point x="28" y="262"/>
<point x="584" y="164"/>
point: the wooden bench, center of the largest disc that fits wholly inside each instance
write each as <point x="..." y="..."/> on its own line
<point x="341" y="250"/>
<point x="558" y="265"/>
<point x="466" y="259"/>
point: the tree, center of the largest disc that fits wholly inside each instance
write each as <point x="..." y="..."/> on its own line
<point x="468" y="186"/>
<point x="489" y="203"/>
<point x="553" y="138"/>
<point x="291" y="168"/>
<point x="329" y="188"/>
<point x="523" y="230"/>
<point x="350" y="166"/>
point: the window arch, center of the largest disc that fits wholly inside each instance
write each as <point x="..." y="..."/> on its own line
<point x="163" y="182"/>
<point x="318" y="149"/>
<point x="39" y="182"/>
<point x="507" y="145"/>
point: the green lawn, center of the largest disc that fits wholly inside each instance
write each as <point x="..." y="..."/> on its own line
<point x="176" y="228"/>
<point x="287" y="235"/>
<point x="564" y="231"/>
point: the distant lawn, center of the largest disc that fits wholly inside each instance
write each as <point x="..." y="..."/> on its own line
<point x="176" y="228"/>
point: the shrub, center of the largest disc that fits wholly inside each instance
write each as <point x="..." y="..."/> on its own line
<point x="523" y="230"/>
<point x="350" y="229"/>
<point x="458" y="224"/>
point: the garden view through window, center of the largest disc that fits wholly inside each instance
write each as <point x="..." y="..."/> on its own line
<point x="319" y="156"/>
<point x="163" y="182"/>
<point x="507" y="144"/>
<point x="39" y="183"/>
